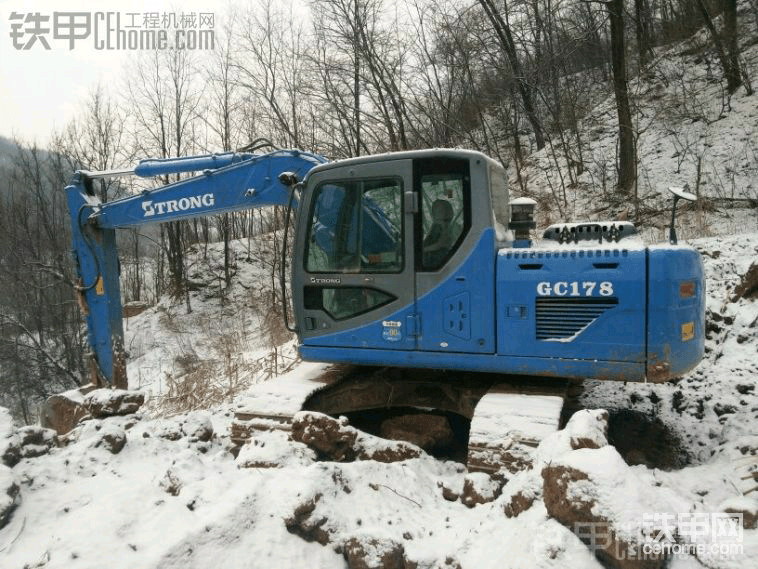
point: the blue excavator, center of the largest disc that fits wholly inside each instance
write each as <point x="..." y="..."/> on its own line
<point x="419" y="260"/>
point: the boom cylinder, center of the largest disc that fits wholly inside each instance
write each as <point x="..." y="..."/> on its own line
<point x="162" y="166"/>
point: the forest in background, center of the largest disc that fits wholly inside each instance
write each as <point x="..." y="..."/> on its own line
<point x="511" y="79"/>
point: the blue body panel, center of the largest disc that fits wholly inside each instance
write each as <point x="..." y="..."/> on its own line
<point x="458" y="315"/>
<point x="582" y="304"/>
<point x="580" y="313"/>
<point x="674" y="349"/>
<point x="489" y="363"/>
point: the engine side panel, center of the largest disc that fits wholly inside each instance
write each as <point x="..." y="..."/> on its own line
<point x="579" y="304"/>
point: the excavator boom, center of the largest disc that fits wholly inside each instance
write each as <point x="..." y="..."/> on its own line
<point x="228" y="182"/>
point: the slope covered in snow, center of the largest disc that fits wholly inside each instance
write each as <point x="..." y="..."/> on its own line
<point x="175" y="496"/>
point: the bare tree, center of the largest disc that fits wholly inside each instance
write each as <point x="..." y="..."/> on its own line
<point x="505" y="39"/>
<point x="224" y="108"/>
<point x="164" y="97"/>
<point x="40" y="327"/>
<point x="642" y="25"/>
<point x="726" y="44"/>
<point x="271" y="66"/>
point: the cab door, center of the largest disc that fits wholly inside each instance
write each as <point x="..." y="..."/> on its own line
<point x="455" y="244"/>
<point x="354" y="286"/>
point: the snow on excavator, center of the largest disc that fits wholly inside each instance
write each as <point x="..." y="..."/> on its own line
<point x="419" y="259"/>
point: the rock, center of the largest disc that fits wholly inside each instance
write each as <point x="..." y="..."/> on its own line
<point x="424" y="430"/>
<point x="103" y="403"/>
<point x="10" y="449"/>
<point x="168" y="430"/>
<point x="198" y="427"/>
<point x="171" y="483"/>
<point x="63" y="411"/>
<point x="28" y="442"/>
<point x="305" y="524"/>
<point x="580" y="495"/>
<point x="520" y="493"/>
<point x="270" y="449"/>
<point x="111" y="438"/>
<point x="10" y="452"/>
<point x="334" y="439"/>
<point x="744" y="505"/>
<point x="10" y="495"/>
<point x="448" y="493"/>
<point x="33" y="435"/>
<point x="369" y="447"/>
<point x="518" y="503"/>
<point x="368" y="552"/>
<point x="588" y="429"/>
<point x="133" y="308"/>
<point x="479" y="488"/>
<point x="748" y="286"/>
<point x="556" y="482"/>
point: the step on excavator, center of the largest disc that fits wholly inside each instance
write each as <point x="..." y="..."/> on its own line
<point x="416" y="276"/>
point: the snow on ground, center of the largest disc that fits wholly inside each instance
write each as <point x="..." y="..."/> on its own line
<point x="226" y="342"/>
<point x="175" y="503"/>
<point x="717" y="403"/>
<point x="689" y="131"/>
<point x="170" y="500"/>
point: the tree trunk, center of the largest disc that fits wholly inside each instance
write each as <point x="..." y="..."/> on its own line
<point x="643" y="38"/>
<point x="357" y="79"/>
<point x="505" y="38"/>
<point x="627" y="154"/>
<point x="729" y="55"/>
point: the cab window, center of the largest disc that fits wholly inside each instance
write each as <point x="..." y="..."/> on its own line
<point x="444" y="190"/>
<point x="356" y="227"/>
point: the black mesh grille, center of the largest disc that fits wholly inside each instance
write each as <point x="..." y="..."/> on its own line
<point x="559" y="318"/>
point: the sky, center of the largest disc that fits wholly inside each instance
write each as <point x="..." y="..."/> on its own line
<point x="42" y="89"/>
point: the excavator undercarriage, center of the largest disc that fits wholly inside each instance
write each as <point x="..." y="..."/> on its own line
<point x="488" y="421"/>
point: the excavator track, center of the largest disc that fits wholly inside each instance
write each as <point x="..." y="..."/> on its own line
<point x="511" y="420"/>
<point x="505" y="417"/>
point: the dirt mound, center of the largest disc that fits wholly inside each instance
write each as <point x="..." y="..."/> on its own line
<point x="748" y="286"/>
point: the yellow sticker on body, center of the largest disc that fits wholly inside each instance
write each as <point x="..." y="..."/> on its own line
<point x="688" y="331"/>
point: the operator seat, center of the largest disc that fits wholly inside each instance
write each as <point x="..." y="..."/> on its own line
<point x="440" y="239"/>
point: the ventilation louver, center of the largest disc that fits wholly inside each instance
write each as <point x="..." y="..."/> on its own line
<point x="564" y="318"/>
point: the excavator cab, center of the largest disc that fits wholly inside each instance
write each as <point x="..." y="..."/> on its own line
<point x="406" y="263"/>
<point x="387" y="241"/>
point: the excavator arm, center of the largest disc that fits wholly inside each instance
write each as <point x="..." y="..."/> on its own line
<point x="226" y="182"/>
